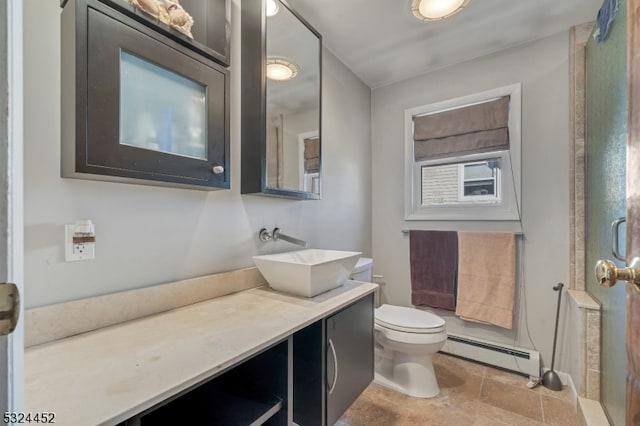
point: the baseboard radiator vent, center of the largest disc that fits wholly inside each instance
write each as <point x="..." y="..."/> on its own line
<point x="519" y="360"/>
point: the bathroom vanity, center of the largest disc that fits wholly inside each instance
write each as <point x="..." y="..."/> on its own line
<point x="252" y="357"/>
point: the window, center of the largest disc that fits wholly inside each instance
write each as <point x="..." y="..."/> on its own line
<point x="479" y="181"/>
<point x="463" y="158"/>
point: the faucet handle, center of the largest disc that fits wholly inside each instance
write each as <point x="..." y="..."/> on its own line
<point x="265" y="235"/>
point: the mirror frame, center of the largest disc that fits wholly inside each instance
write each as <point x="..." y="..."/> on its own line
<point x="254" y="102"/>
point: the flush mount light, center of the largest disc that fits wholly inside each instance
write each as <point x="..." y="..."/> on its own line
<point x="280" y="69"/>
<point x="272" y="7"/>
<point x="435" y="10"/>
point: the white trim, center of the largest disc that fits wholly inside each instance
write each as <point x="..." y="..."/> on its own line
<point x="15" y="197"/>
<point x="511" y="163"/>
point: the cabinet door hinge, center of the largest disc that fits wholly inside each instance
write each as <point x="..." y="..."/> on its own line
<point x="9" y="307"/>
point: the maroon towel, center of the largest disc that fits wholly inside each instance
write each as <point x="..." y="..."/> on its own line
<point x="434" y="259"/>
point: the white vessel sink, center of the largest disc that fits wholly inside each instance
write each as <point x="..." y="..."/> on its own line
<point x="307" y="272"/>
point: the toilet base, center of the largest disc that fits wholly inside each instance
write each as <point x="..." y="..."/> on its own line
<point x="408" y="374"/>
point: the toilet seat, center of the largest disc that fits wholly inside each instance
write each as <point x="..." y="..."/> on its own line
<point x="408" y="320"/>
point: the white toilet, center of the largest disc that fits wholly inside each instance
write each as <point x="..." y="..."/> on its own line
<point x="406" y="340"/>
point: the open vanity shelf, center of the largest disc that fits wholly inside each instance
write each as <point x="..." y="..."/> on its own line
<point x="252" y="393"/>
<point x="215" y="406"/>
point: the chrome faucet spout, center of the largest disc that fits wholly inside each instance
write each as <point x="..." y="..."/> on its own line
<point x="277" y="235"/>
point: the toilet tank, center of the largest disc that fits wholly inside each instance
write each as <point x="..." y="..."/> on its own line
<point x="362" y="270"/>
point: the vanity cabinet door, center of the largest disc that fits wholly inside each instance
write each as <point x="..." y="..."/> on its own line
<point x="322" y="393"/>
<point x="349" y="343"/>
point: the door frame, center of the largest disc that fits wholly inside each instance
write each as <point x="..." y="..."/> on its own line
<point x="633" y="211"/>
<point x="12" y="195"/>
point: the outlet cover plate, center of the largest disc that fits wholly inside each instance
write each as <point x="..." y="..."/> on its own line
<point x="76" y="252"/>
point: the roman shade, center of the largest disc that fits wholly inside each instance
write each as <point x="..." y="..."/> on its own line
<point x="471" y="129"/>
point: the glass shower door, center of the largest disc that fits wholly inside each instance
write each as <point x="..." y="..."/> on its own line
<point x="605" y="193"/>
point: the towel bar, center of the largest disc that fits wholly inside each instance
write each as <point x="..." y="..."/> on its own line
<point x="406" y="231"/>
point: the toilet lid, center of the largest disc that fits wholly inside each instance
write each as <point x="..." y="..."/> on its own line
<point x="408" y="319"/>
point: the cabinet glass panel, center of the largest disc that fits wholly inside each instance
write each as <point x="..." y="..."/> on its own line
<point x="161" y="110"/>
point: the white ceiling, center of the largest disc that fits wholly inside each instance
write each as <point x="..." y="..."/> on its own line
<point x="382" y="42"/>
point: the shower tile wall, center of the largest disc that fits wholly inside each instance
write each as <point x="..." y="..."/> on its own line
<point x="589" y="326"/>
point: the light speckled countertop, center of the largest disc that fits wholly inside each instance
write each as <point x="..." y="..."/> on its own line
<point x="108" y="375"/>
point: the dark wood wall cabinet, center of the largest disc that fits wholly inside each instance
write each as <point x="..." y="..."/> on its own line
<point x="142" y="102"/>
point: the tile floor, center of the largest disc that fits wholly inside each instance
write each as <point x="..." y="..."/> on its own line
<point x="470" y="395"/>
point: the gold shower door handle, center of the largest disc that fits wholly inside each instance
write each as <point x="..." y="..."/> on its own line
<point x="615" y="240"/>
<point x="607" y="273"/>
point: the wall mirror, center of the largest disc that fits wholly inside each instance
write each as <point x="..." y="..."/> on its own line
<point x="281" y="108"/>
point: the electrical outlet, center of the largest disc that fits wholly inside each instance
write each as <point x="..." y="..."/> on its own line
<point x="79" y="251"/>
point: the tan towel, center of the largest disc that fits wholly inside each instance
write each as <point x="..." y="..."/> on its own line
<point x="486" y="277"/>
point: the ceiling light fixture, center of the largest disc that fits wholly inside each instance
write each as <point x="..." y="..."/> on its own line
<point x="436" y="10"/>
<point x="280" y="69"/>
<point x="272" y="7"/>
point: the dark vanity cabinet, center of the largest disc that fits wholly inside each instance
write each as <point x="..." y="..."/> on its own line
<point x="142" y="103"/>
<point x="332" y="364"/>
<point x="310" y="378"/>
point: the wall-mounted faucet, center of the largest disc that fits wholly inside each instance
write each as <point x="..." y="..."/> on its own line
<point x="276" y="235"/>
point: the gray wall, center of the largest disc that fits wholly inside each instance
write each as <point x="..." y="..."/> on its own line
<point x="542" y="68"/>
<point x="150" y="235"/>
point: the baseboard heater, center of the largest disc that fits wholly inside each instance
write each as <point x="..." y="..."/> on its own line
<point x="519" y="360"/>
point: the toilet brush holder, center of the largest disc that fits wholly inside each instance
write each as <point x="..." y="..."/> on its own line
<point x="550" y="379"/>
